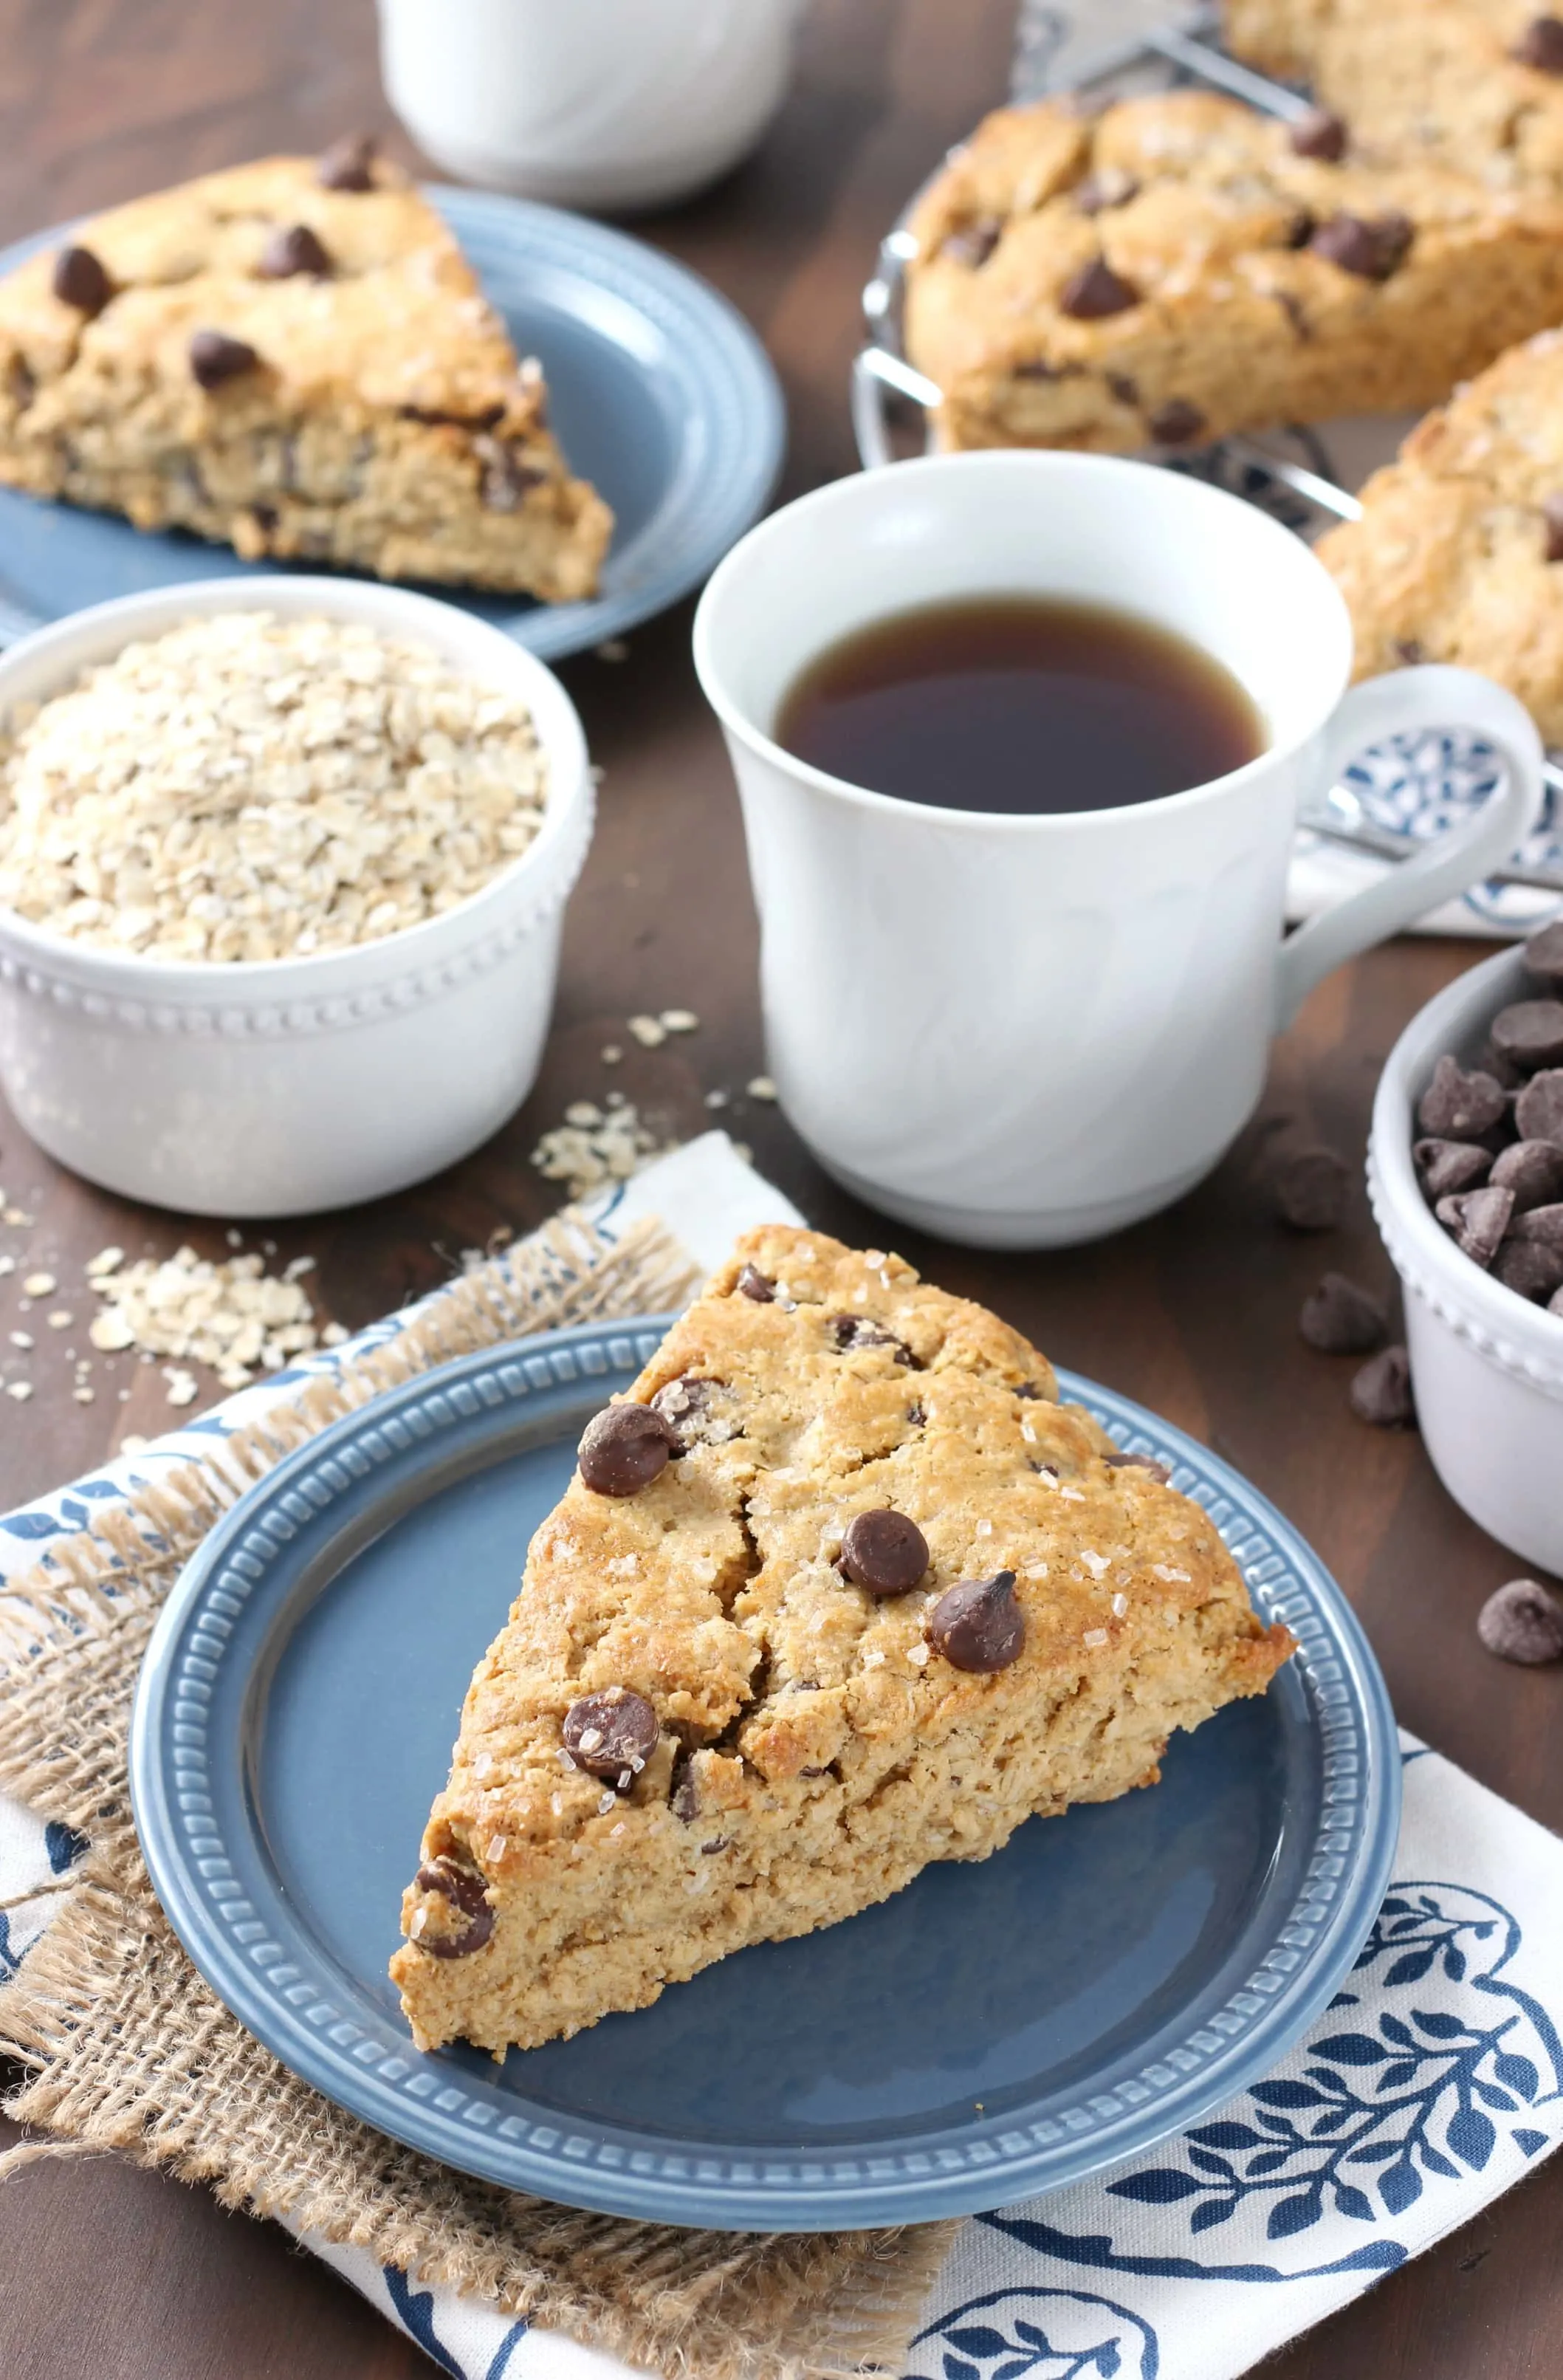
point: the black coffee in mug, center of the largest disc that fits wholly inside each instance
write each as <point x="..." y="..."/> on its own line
<point x="1020" y="704"/>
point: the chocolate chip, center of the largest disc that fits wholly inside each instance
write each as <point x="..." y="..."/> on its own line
<point x="1541" y="1225"/>
<point x="978" y="1625"/>
<point x="1372" y="250"/>
<point x="883" y="1551"/>
<point x="1308" y="1188"/>
<point x="683" y="1797"/>
<point x="1127" y="390"/>
<point x="1522" y="1623"/>
<point x="215" y="357"/>
<point x="1543" y="949"/>
<point x="1301" y="229"/>
<point x="1530" y="1033"/>
<point x="1531" y="1268"/>
<point x="1538" y="1110"/>
<point x="1119" y="1460"/>
<point x="1541" y="45"/>
<point x="624" y="1448"/>
<point x="462" y="1888"/>
<point x="348" y="164"/>
<point x="1446" y="1166"/>
<point x="1410" y="650"/>
<point x="1100" y="192"/>
<point x="611" y="1734"/>
<point x="751" y="1283"/>
<point x="506" y="476"/>
<point x="444" y="416"/>
<point x="1097" y="291"/>
<point x="79" y="280"/>
<point x="689" y="1408"/>
<point x="1503" y="1070"/>
<point x="294" y="249"/>
<point x="1533" y="1171"/>
<point x="1552" y="528"/>
<point x="1458" y="1105"/>
<point x="1319" y="134"/>
<point x="915" y="1415"/>
<point x="1174" y="423"/>
<point x="1381" y="1392"/>
<point x="1477" y="1221"/>
<point x="1341" y="1319"/>
<point x="973" y="243"/>
<point x="854" y="1331"/>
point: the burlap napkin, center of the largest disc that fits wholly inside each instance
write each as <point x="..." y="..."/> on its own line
<point x="127" y="2049"/>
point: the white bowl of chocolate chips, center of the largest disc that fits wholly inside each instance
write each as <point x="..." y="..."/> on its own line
<point x="1465" y="1171"/>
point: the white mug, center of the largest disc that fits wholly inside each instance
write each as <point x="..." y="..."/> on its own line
<point x="1028" y="1031"/>
<point x="602" y="104"/>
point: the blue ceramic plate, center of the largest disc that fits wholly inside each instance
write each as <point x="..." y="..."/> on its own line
<point x="993" y="2030"/>
<point x="660" y="394"/>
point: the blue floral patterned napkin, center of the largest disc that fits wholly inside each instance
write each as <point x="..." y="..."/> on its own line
<point x="1432" y="2084"/>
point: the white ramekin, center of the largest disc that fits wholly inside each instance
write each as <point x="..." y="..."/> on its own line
<point x="1487" y="1365"/>
<point x="276" y="1087"/>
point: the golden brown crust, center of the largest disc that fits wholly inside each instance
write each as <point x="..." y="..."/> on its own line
<point x="814" y="1749"/>
<point x="386" y="424"/>
<point x="1205" y="211"/>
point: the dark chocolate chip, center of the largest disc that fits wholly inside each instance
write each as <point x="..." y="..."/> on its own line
<point x="689" y="1408"/>
<point x="1381" y="1392"/>
<point x="1552" y="531"/>
<point x="1341" y="1319"/>
<point x="624" y="1448"/>
<point x="751" y="1283"/>
<point x="348" y="164"/>
<point x="1530" y="1268"/>
<point x="884" y="1552"/>
<point x="79" y="280"/>
<point x="1372" y="249"/>
<point x="915" y="1415"/>
<point x="1522" y="1623"/>
<point x="1308" y="1187"/>
<point x="441" y="417"/>
<point x="973" y="243"/>
<point x="215" y="357"/>
<point x="1541" y="1225"/>
<point x="854" y="1331"/>
<point x="1301" y="229"/>
<point x="978" y="1625"/>
<point x="1099" y="193"/>
<point x="1458" y="1105"/>
<point x="462" y="1888"/>
<point x="1541" y="45"/>
<point x="1477" y="1221"/>
<point x="1530" y="1033"/>
<point x="1543" y="951"/>
<point x="1502" y="1069"/>
<point x="1538" y="1110"/>
<point x="1127" y="390"/>
<point x="1410" y="649"/>
<point x="1097" y="291"/>
<point x="294" y="248"/>
<point x="1532" y="1170"/>
<point x="683" y="1798"/>
<point x="1176" y="423"/>
<point x="506" y="476"/>
<point x="1118" y="1460"/>
<point x="1446" y="1166"/>
<point x="1319" y="134"/>
<point x="611" y="1734"/>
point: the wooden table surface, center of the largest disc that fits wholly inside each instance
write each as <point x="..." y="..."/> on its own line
<point x="109" y="2272"/>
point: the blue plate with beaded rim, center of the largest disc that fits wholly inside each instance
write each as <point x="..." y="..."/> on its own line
<point x="993" y="2030"/>
<point x="660" y="392"/>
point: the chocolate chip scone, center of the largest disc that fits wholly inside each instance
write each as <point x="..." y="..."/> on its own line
<point x="1176" y="269"/>
<point x="1459" y="553"/>
<point x="840" y="1589"/>
<point x="295" y="359"/>
<point x="1476" y="85"/>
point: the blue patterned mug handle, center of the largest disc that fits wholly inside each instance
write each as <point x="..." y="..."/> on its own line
<point x="1411" y="701"/>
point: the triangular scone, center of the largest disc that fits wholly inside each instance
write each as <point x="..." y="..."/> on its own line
<point x="293" y="358"/>
<point x="695" y="1732"/>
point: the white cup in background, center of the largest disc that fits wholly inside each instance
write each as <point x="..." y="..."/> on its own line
<point x="1028" y="1031"/>
<point x="601" y="104"/>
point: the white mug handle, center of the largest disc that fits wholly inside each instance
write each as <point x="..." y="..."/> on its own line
<point x="1405" y="701"/>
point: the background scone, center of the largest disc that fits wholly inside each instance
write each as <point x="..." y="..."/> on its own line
<point x="295" y="359"/>
<point x="1459" y="553"/>
<point x="1175" y="269"/>
<point x="728" y="1707"/>
<point x="1476" y="85"/>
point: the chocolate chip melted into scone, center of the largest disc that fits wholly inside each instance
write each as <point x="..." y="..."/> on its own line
<point x="840" y="1589"/>
<point x="1179" y="267"/>
<point x="296" y="359"/>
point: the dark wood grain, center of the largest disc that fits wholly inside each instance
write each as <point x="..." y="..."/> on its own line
<point x="105" y="2271"/>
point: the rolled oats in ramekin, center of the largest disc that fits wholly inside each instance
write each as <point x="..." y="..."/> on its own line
<point x="252" y="786"/>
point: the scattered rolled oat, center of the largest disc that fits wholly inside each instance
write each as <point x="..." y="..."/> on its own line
<point x="649" y="1031"/>
<point x="21" y="1339"/>
<point x="679" y="1020"/>
<point x="18" y="1390"/>
<point x="61" y="1319"/>
<point x="232" y="1315"/>
<point x="38" y="1284"/>
<point x="248" y="786"/>
<point x="595" y="1145"/>
<point x="761" y="1088"/>
<point x="183" y="1387"/>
